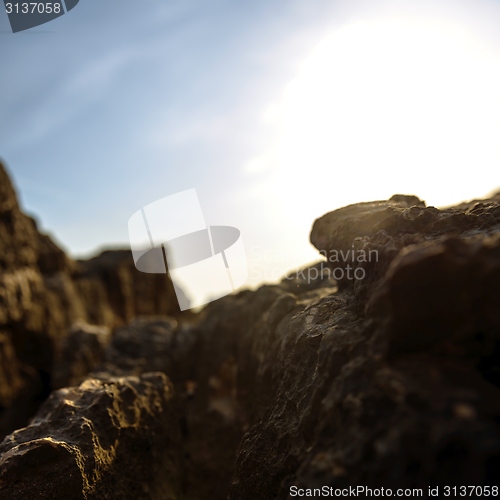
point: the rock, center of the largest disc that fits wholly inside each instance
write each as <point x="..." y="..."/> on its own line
<point x="338" y="230"/>
<point x="455" y="286"/>
<point x="295" y="384"/>
<point x="390" y="380"/>
<point x="43" y="293"/>
<point x="145" y="344"/>
<point x="366" y="237"/>
<point x="393" y="381"/>
<point x="106" y="439"/>
<point x="123" y="293"/>
<point x="82" y="350"/>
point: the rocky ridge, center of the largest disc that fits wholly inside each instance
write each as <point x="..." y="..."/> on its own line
<point x="388" y="381"/>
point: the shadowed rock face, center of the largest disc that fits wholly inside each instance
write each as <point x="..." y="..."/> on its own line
<point x="387" y="381"/>
<point x="43" y="292"/>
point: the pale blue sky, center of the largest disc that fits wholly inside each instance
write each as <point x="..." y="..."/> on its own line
<point x="121" y="102"/>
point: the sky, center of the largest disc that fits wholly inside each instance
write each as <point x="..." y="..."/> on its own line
<point x="275" y="111"/>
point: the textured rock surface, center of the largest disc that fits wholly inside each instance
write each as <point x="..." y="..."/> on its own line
<point x="85" y="441"/>
<point x="43" y="292"/>
<point x="388" y="381"/>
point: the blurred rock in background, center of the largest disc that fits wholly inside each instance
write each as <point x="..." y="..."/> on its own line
<point x="43" y="293"/>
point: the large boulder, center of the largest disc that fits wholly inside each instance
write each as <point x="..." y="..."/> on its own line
<point x="361" y="241"/>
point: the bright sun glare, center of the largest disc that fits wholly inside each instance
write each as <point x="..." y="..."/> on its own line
<point x="380" y="107"/>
